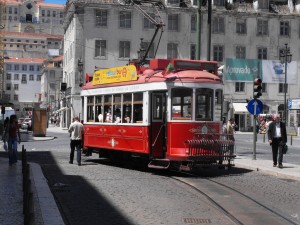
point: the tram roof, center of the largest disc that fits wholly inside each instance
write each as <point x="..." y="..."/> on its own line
<point x="152" y="76"/>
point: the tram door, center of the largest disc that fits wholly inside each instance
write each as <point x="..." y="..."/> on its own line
<point x="158" y="124"/>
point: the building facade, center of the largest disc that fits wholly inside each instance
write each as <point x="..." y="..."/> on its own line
<point x="32" y="34"/>
<point x="104" y="34"/>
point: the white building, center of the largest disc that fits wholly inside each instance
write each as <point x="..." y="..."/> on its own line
<point x="32" y="34"/>
<point x="105" y="34"/>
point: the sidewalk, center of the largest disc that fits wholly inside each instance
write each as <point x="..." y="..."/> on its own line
<point x="11" y="196"/>
<point x="289" y="171"/>
<point x="46" y="210"/>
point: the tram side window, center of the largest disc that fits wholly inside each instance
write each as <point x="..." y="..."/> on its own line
<point x="99" y="109"/>
<point x="90" y="109"/>
<point x="108" y="115"/>
<point x="127" y="108"/>
<point x="117" y="108"/>
<point x="138" y="107"/>
<point x="204" y="103"/>
<point x="181" y="103"/>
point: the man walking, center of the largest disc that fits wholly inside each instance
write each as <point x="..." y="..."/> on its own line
<point x="277" y="139"/>
<point x="76" y="131"/>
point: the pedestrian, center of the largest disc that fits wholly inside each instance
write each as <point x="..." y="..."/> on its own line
<point x="5" y="139"/>
<point x="277" y="138"/>
<point x="11" y="134"/>
<point x="76" y="131"/>
<point x="230" y="129"/>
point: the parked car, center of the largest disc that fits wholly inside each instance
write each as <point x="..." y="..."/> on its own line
<point x="26" y="124"/>
<point x="20" y="121"/>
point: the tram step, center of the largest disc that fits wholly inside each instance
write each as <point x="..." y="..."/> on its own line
<point x="159" y="164"/>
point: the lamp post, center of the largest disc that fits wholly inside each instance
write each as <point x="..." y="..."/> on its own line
<point x="80" y="69"/>
<point x="285" y="57"/>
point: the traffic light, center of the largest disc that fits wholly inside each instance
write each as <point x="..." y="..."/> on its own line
<point x="257" y="88"/>
<point x="3" y="110"/>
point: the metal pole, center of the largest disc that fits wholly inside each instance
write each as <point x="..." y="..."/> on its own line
<point x="209" y="29"/>
<point x="285" y="85"/>
<point x="199" y="23"/>
<point x="254" y="132"/>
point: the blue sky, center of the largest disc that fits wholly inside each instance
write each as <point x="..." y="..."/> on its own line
<point x="63" y="2"/>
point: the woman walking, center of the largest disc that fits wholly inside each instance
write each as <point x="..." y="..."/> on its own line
<point x="13" y="133"/>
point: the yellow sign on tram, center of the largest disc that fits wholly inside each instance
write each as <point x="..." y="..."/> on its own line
<point x="115" y="75"/>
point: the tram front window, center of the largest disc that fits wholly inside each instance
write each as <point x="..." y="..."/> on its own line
<point x="204" y="103"/>
<point x="182" y="103"/>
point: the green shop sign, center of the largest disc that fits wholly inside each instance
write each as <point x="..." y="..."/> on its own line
<point x="243" y="69"/>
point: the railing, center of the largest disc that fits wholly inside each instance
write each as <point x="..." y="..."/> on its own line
<point x="211" y="148"/>
<point x="27" y="190"/>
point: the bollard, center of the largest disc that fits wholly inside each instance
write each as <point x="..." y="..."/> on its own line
<point x="264" y="138"/>
<point x="291" y="140"/>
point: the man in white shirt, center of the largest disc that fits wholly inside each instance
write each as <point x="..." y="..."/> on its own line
<point x="76" y="131"/>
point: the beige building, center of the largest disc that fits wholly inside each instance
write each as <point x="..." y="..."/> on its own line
<point x="104" y="34"/>
<point x="32" y="34"/>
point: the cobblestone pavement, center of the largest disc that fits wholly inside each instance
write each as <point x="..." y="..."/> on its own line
<point x="99" y="192"/>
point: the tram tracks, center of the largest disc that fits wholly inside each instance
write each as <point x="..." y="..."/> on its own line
<point x="235" y="205"/>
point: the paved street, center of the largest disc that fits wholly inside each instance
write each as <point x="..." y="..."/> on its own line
<point x="102" y="192"/>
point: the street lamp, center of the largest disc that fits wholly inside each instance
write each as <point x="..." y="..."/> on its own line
<point x="285" y="57"/>
<point x="80" y="69"/>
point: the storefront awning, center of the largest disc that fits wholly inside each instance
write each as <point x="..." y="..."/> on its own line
<point x="240" y="108"/>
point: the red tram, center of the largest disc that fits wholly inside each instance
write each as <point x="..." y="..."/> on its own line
<point x="169" y="113"/>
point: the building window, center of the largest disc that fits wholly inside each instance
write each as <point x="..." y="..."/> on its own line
<point x="8" y="76"/>
<point x="173" y="22"/>
<point x="147" y="23"/>
<point x="16" y="98"/>
<point x="281" y="87"/>
<point x="241" y="26"/>
<point x="262" y="27"/>
<point x="24" y="79"/>
<point x="100" y="48"/>
<point x="8" y="66"/>
<point x="24" y="67"/>
<point x="38" y="68"/>
<point x="8" y="87"/>
<point x="145" y="46"/>
<point x="16" y="76"/>
<point x="263" y="4"/>
<point x="16" y="10"/>
<point x="240" y="52"/>
<point x="284" y="28"/>
<point x="173" y="1"/>
<point x="31" y="77"/>
<point x="219" y="2"/>
<point x="239" y="86"/>
<point x="124" y="49"/>
<point x="218" y="25"/>
<point x="38" y="77"/>
<point x="17" y="67"/>
<point x="101" y="17"/>
<point x="193" y="51"/>
<point x="193" y="23"/>
<point x="172" y="50"/>
<point x="16" y="87"/>
<point x="53" y="13"/>
<point x="264" y="87"/>
<point x="48" y="13"/>
<point x="43" y="12"/>
<point x="125" y="19"/>
<point x="218" y="52"/>
<point x="31" y="67"/>
<point x="262" y="53"/>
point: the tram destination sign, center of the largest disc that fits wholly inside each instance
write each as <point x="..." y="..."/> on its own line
<point x="115" y="75"/>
